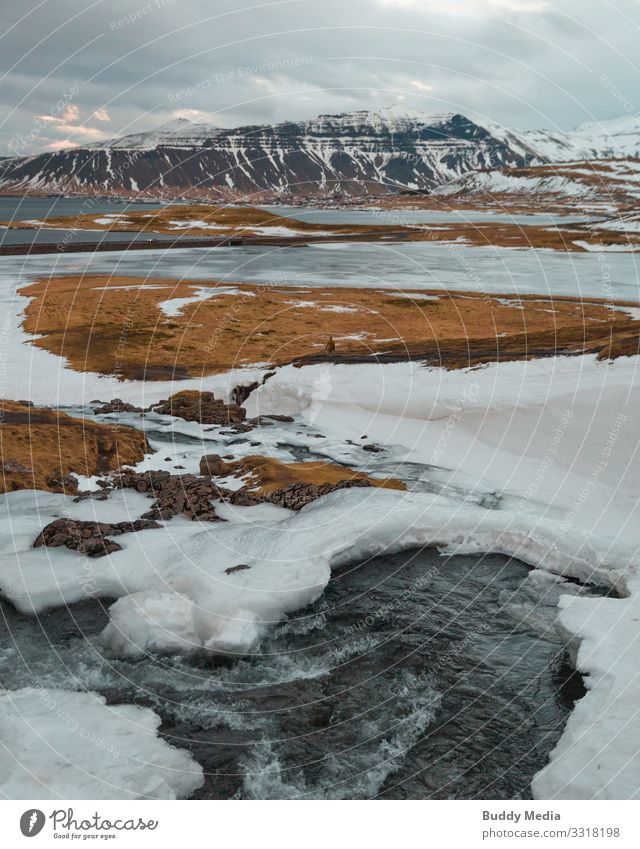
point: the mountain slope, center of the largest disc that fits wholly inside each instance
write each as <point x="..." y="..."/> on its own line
<point x="360" y="152"/>
<point x="354" y="153"/>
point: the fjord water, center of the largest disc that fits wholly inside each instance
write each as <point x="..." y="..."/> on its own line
<point x="409" y="678"/>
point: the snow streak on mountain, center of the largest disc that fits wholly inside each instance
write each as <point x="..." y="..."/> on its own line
<point x="354" y="153"/>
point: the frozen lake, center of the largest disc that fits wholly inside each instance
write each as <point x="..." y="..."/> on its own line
<point x="418" y="216"/>
<point x="415" y="265"/>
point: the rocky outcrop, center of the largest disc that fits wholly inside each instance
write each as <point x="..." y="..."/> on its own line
<point x="240" y="393"/>
<point x="212" y="465"/>
<point x="201" y="407"/>
<point x="116" y="405"/>
<point x="290" y="485"/>
<point x="186" y="495"/>
<point x="296" y="495"/>
<point x="90" y="538"/>
<point x="40" y="448"/>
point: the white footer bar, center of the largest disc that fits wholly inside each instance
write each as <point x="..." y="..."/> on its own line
<point x="320" y="825"/>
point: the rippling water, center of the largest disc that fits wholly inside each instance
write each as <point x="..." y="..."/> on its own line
<point x="414" y="676"/>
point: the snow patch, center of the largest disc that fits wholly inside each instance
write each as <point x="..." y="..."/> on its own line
<point x="56" y="744"/>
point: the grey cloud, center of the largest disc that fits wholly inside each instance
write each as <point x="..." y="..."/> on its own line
<point x="521" y="68"/>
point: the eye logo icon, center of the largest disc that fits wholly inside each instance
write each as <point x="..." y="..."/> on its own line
<point x="32" y="822"/>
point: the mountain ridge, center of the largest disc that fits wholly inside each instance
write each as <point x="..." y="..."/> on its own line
<point x="354" y="153"/>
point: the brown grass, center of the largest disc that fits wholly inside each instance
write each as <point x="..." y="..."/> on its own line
<point x="267" y="475"/>
<point x="39" y="447"/>
<point x="101" y="326"/>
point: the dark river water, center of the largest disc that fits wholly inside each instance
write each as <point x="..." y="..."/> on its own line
<point x="410" y="678"/>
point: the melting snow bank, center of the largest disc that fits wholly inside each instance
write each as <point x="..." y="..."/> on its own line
<point x="556" y="437"/>
<point x="598" y="756"/>
<point x="175" y="592"/>
<point x="558" y="440"/>
<point x="56" y="744"/>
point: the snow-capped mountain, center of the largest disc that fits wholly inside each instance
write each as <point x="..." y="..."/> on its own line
<point x="175" y="133"/>
<point x="357" y="153"/>
<point x="617" y="139"/>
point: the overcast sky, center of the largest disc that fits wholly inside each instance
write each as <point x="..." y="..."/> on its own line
<point x="78" y="71"/>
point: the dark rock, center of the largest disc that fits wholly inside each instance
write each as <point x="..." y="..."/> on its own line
<point x="12" y="467"/>
<point x="67" y="483"/>
<point x="187" y="495"/>
<point x="266" y="420"/>
<point x="211" y="464"/>
<point x="277" y="418"/>
<point x="90" y="538"/>
<point x="241" y="427"/>
<point x="294" y="496"/>
<point x="244" y="498"/>
<point x="240" y="394"/>
<point x="93" y="495"/>
<point x="374" y="449"/>
<point x="239" y="568"/>
<point x="117" y="405"/>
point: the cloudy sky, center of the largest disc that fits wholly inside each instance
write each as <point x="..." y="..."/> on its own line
<point x="79" y="71"/>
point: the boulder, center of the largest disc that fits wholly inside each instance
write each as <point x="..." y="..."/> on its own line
<point x="212" y="465"/>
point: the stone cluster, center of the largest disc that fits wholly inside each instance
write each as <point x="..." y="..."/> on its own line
<point x="116" y="405"/>
<point x="187" y="495"/>
<point x="202" y="407"/>
<point x="90" y="538"/>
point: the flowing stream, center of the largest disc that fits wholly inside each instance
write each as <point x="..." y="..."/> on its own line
<point x="414" y="676"/>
